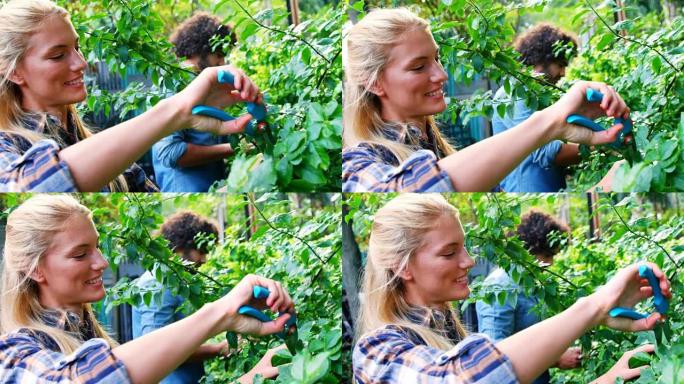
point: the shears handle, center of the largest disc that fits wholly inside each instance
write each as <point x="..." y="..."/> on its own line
<point x="659" y="300"/>
<point x="594" y="96"/>
<point x="262" y="293"/>
<point x="258" y="111"/>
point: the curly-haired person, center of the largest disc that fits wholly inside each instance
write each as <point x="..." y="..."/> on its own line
<point x="536" y="230"/>
<point x="187" y="234"/>
<point x="547" y="49"/>
<point x="190" y="160"/>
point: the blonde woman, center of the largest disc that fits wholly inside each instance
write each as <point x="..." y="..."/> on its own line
<point x="408" y="332"/>
<point x="44" y="144"/>
<point x="52" y="270"/>
<point x="393" y="87"/>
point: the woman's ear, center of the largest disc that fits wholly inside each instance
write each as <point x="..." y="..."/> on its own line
<point x="16" y="78"/>
<point x="38" y="276"/>
<point x="405" y="274"/>
<point x="377" y="89"/>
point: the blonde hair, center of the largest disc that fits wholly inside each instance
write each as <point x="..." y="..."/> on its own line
<point x="29" y="233"/>
<point x="367" y="50"/>
<point x="393" y="241"/>
<point x="21" y="19"/>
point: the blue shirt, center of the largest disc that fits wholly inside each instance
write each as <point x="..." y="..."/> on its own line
<point x="536" y="173"/>
<point x="173" y="178"/>
<point x="501" y="321"/>
<point x="158" y="314"/>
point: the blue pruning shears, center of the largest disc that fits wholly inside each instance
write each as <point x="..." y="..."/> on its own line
<point x="258" y="111"/>
<point x="291" y="338"/>
<point x="659" y="300"/>
<point x="595" y="96"/>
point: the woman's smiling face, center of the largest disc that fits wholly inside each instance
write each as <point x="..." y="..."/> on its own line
<point x="50" y="73"/>
<point x="410" y="85"/>
<point x="70" y="272"/>
<point x="438" y="271"/>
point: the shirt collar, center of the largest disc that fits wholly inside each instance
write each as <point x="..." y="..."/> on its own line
<point x="442" y="321"/>
<point x="411" y="135"/>
<point x="50" y="126"/>
<point x="69" y="322"/>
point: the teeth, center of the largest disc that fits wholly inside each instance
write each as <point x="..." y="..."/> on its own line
<point x="435" y="93"/>
<point x="94" y="281"/>
<point x="75" y="82"/>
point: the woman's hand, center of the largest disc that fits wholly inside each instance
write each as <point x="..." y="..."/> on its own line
<point x="206" y="90"/>
<point x="278" y="301"/>
<point x="626" y="289"/>
<point x="621" y="369"/>
<point x="575" y="102"/>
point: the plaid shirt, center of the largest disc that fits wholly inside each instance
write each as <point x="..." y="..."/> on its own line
<point x="373" y="168"/>
<point x="392" y="354"/>
<point x="33" y="357"/>
<point x="37" y="167"/>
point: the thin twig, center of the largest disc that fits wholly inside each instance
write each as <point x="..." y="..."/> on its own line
<point x="251" y="200"/>
<point x="642" y="236"/>
<point x="619" y="36"/>
<point x="280" y="31"/>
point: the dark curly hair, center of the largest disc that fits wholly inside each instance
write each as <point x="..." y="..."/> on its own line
<point x="534" y="230"/>
<point x="181" y="229"/>
<point x="539" y="46"/>
<point x="193" y="37"/>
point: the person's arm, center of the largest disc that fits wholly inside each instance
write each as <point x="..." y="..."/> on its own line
<point x="151" y="357"/>
<point x="264" y="368"/>
<point x="531" y="351"/>
<point x="97" y="160"/>
<point x="208" y="351"/>
<point x="569" y="154"/>
<point x="202" y="154"/>
<point x="484" y="164"/>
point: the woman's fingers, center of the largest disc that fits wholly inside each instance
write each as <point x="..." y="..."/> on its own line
<point x="646" y="324"/>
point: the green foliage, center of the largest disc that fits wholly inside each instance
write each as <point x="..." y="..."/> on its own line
<point x="298" y="68"/>
<point x="299" y="245"/>
<point x="645" y="67"/>
<point x="633" y="229"/>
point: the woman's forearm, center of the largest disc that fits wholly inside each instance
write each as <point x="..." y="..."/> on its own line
<point x="96" y="161"/>
<point x="481" y="166"/>
<point x="153" y="356"/>
<point x="535" y="349"/>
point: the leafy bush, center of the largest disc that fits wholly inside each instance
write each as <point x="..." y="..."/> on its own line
<point x="293" y="239"/>
<point x="645" y="66"/>
<point x="632" y="229"/>
<point x="298" y="68"/>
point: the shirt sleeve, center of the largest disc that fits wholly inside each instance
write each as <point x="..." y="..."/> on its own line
<point x="545" y="155"/>
<point x="495" y="320"/>
<point x="159" y="313"/>
<point x="364" y="170"/>
<point x="39" y="169"/>
<point x="170" y="149"/>
<point x="24" y="360"/>
<point x="390" y="357"/>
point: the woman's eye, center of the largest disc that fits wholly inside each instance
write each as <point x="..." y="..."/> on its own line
<point x="418" y="68"/>
<point x="56" y="57"/>
<point x="449" y="254"/>
<point x="80" y="256"/>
